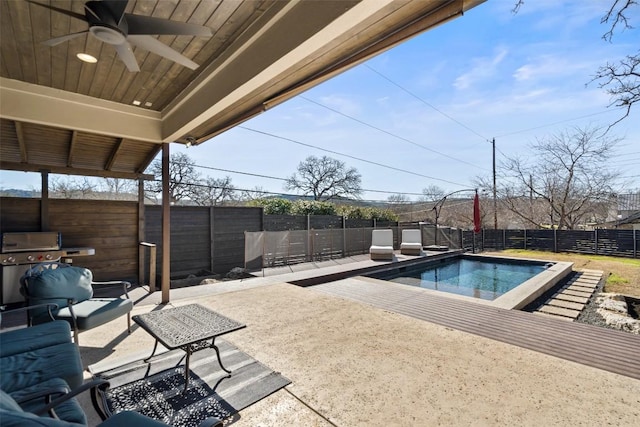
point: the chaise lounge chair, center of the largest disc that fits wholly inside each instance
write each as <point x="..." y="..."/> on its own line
<point x="381" y="245"/>
<point x="411" y="242"/>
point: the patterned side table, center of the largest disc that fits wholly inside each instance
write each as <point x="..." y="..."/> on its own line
<point x="189" y="328"/>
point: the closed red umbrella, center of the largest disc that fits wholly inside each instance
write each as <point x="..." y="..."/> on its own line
<point x="476" y="213"/>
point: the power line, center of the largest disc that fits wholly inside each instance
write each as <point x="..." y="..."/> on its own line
<point x="426" y="103"/>
<point x="555" y="123"/>
<point x="390" y="133"/>
<point x="284" y="179"/>
<point x="351" y="157"/>
<point x="195" y="184"/>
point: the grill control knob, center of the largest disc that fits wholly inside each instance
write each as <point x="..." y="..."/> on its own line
<point x="48" y="256"/>
<point x="30" y="258"/>
<point x="9" y="260"/>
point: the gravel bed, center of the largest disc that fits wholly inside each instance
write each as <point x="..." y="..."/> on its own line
<point x="589" y="313"/>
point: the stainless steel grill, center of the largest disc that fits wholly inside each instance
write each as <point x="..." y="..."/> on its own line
<point x="22" y="249"/>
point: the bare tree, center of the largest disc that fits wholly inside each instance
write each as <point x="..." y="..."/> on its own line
<point x="567" y="171"/>
<point x="212" y="191"/>
<point x="119" y="188"/>
<point x="432" y="193"/>
<point x="400" y="204"/>
<point x="72" y="188"/>
<point x="619" y="79"/>
<point x="253" y="194"/>
<point x="182" y="174"/>
<point x="325" y="179"/>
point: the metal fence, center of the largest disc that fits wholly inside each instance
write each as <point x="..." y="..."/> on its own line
<point x="277" y="248"/>
<point x="617" y="242"/>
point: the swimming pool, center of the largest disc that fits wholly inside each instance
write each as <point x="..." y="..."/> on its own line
<point x="519" y="296"/>
<point x="481" y="278"/>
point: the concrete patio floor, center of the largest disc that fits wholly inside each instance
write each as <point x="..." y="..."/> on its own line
<point x="352" y="364"/>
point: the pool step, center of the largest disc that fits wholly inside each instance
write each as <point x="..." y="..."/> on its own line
<point x="569" y="301"/>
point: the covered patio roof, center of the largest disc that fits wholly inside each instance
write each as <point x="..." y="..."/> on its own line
<point x="61" y="115"/>
<point x="65" y="116"/>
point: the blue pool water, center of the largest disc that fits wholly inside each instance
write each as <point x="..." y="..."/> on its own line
<point x="478" y="278"/>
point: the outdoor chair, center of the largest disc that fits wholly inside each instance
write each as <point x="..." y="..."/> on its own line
<point x="411" y="242"/>
<point x="71" y="289"/>
<point x="381" y="245"/>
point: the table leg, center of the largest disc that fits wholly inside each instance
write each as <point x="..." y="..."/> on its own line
<point x="215" y="347"/>
<point x="186" y="369"/>
<point x="155" y="347"/>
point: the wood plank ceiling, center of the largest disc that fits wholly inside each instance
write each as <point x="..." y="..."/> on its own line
<point x="66" y="116"/>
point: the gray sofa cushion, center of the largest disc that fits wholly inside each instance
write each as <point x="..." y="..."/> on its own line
<point x="96" y="311"/>
<point x="56" y="285"/>
<point x="36" y="366"/>
<point x="27" y="339"/>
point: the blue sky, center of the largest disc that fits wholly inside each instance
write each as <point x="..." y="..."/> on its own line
<point x="431" y="105"/>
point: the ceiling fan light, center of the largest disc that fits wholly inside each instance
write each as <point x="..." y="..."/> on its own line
<point x="87" y="58"/>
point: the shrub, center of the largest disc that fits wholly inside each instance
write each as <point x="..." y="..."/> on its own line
<point x="312" y="207"/>
<point x="273" y="206"/>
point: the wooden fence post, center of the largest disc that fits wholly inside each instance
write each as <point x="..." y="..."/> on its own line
<point x="525" y="240"/>
<point x="555" y="240"/>
<point x="595" y="238"/>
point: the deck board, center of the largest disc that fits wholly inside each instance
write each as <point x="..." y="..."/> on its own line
<point x="602" y="348"/>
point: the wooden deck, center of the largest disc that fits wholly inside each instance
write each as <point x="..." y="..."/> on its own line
<point x="601" y="348"/>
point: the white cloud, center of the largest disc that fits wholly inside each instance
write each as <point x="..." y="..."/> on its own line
<point x="548" y="66"/>
<point x="342" y="104"/>
<point x="483" y="68"/>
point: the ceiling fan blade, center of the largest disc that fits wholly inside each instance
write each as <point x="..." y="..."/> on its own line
<point x="143" y="25"/>
<point x="117" y="8"/>
<point x="126" y="55"/>
<point x="58" y="9"/>
<point x="57" y="40"/>
<point x="154" y="45"/>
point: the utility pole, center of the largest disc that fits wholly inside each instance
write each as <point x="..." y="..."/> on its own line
<point x="495" y="197"/>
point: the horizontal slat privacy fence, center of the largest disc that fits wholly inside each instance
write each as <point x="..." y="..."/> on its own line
<point x="616" y="242"/>
<point x="110" y="227"/>
<point x="213" y="238"/>
<point x="204" y="238"/>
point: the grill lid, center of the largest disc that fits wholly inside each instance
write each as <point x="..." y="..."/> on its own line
<point x="31" y="241"/>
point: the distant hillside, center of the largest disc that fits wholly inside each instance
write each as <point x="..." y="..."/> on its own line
<point x="13" y="192"/>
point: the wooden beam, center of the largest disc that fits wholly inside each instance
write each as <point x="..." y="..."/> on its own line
<point x="166" y="227"/>
<point x="21" y="142"/>
<point x="73" y="171"/>
<point x="152" y="155"/>
<point x="31" y="103"/>
<point x="141" y="232"/>
<point x="72" y="145"/>
<point x="44" y="200"/>
<point x="114" y="154"/>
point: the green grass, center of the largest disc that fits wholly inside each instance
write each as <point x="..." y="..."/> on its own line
<point x="628" y="261"/>
<point x="615" y="279"/>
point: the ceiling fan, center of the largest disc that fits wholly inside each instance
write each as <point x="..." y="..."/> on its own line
<point x="110" y="24"/>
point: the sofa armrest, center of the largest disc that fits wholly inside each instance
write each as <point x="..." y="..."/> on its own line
<point x="125" y="285"/>
<point x="49" y="307"/>
<point x="93" y="385"/>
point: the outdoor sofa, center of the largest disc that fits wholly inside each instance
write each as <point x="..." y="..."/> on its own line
<point x="42" y="374"/>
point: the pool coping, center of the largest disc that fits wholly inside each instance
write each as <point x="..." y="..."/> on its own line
<point x="515" y="299"/>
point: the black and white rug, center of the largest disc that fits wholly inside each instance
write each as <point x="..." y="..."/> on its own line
<point x="155" y="389"/>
